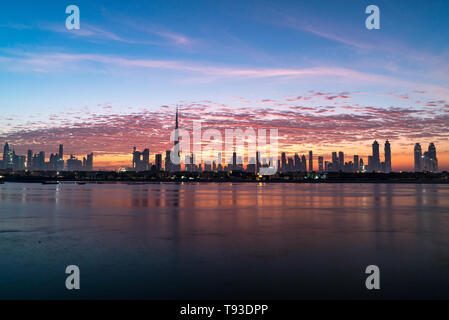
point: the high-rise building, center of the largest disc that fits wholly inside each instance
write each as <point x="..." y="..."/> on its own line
<point x="176" y="162"/>
<point x="310" y="161"/>
<point x="73" y="164"/>
<point x="141" y="160"/>
<point x="257" y="162"/>
<point x="158" y="161"/>
<point x="146" y="160"/>
<point x="320" y="164"/>
<point x="417" y="152"/>
<point x="8" y="159"/>
<point x="283" y="161"/>
<point x="341" y="160"/>
<point x="387" y="157"/>
<point x="60" y="159"/>
<point x="334" y="161"/>
<point x="89" y="162"/>
<point x="61" y="152"/>
<point x="303" y="163"/>
<point x="375" y="165"/>
<point x="430" y="159"/>
<point x="168" y="163"/>
<point x="29" y="159"/>
<point x="297" y="162"/>
<point x="356" y="163"/>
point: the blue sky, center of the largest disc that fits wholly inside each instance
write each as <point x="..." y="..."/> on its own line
<point x="137" y="56"/>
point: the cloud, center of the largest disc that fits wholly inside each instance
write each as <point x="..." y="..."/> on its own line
<point x="114" y="133"/>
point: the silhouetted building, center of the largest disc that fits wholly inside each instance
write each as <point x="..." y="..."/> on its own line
<point x="341" y="161"/>
<point x="89" y="162"/>
<point x="335" y="165"/>
<point x="356" y="163"/>
<point x="430" y="159"/>
<point x="375" y="159"/>
<point x="29" y="159"/>
<point x="168" y="163"/>
<point x="310" y="161"/>
<point x="283" y="161"/>
<point x="141" y="160"/>
<point x="387" y="165"/>
<point x="417" y="153"/>
<point x="73" y="164"/>
<point x="8" y="161"/>
<point x="320" y="164"/>
<point x="158" y="161"/>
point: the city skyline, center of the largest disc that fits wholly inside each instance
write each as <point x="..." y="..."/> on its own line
<point x="423" y="162"/>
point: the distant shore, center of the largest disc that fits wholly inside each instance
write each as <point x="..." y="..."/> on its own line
<point x="144" y="177"/>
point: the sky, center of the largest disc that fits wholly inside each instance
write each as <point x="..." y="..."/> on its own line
<point x="310" y="69"/>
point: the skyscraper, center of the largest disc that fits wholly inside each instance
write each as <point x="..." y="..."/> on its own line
<point x="297" y="162"/>
<point x="303" y="163"/>
<point x="310" y="161"/>
<point x="168" y="163"/>
<point x="60" y="160"/>
<point x="8" y="161"/>
<point x="375" y="157"/>
<point x="89" y="162"/>
<point x="61" y="151"/>
<point x="341" y="160"/>
<point x="430" y="159"/>
<point x="29" y="159"/>
<point x="417" y="152"/>
<point x="387" y="157"/>
<point x="176" y="166"/>
<point x="283" y="161"/>
<point x="158" y="161"/>
<point x="334" y="161"/>
<point x="320" y="164"/>
<point x="356" y="163"/>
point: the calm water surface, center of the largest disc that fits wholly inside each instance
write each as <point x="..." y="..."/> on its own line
<point x="244" y="240"/>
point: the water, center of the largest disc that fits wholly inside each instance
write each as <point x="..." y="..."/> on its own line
<point x="224" y="241"/>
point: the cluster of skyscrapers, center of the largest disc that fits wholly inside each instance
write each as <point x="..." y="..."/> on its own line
<point x="427" y="161"/>
<point x="37" y="161"/>
<point x="424" y="162"/>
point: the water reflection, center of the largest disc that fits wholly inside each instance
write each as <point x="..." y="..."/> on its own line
<point x="250" y="240"/>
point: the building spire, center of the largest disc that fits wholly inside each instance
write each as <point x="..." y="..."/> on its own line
<point x="176" y="132"/>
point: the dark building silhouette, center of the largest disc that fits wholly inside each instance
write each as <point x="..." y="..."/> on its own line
<point x="320" y="164"/>
<point x="375" y="159"/>
<point x="387" y="150"/>
<point x="158" y="161"/>
<point x="310" y="161"/>
<point x="430" y="159"/>
<point x="356" y="163"/>
<point x="417" y="153"/>
<point x="141" y="160"/>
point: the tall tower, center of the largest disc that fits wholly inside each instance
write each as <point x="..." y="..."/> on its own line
<point x="387" y="157"/>
<point x="341" y="160"/>
<point x="417" y="152"/>
<point x="177" y="165"/>
<point x="61" y="152"/>
<point x="310" y="161"/>
<point x="433" y="157"/>
<point x="5" y="155"/>
<point x="376" y="158"/>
